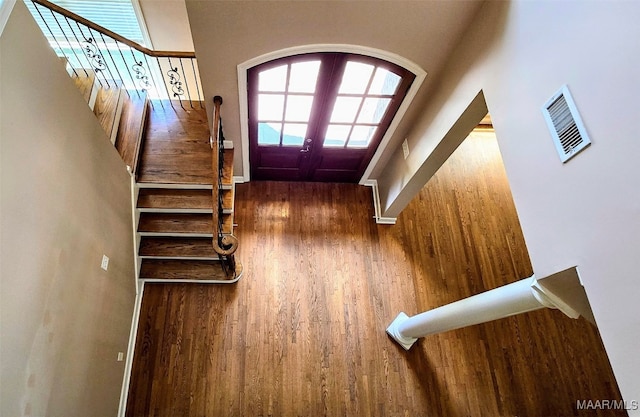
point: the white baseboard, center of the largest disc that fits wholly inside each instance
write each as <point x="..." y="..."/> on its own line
<point x="376" y="204"/>
<point x="124" y="393"/>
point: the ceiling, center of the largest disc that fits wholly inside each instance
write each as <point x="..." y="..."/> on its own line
<point x="229" y="33"/>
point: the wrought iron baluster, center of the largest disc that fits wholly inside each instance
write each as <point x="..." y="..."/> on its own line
<point x="166" y="88"/>
<point x="124" y="63"/>
<point x="115" y="65"/>
<point x="92" y="51"/>
<point x="153" y="79"/>
<point x="186" y="82"/>
<point x="195" y="77"/>
<point x="175" y="81"/>
<point x="140" y="71"/>
<point x="77" y="42"/>
<point x="55" y="39"/>
<point x="68" y="42"/>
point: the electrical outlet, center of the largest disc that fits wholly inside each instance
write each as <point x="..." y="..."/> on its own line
<point x="405" y="148"/>
<point x="120" y="356"/>
<point x="105" y="262"/>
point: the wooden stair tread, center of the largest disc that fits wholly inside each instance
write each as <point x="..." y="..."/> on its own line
<point x="162" y="198"/>
<point x="131" y="127"/>
<point x="176" y="247"/>
<point x="84" y="80"/>
<point x="108" y="108"/>
<point x="176" y="223"/>
<point x="182" y="270"/>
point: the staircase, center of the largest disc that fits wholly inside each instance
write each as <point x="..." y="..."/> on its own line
<point x="184" y="190"/>
<point x="121" y="112"/>
<point x="175" y="226"/>
<point x="176" y="229"/>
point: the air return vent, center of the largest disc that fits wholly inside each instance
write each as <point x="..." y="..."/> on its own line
<point x="565" y="124"/>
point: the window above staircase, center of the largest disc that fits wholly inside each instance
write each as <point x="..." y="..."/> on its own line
<point x="119" y="16"/>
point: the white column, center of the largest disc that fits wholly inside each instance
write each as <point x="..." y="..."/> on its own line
<point x="519" y="297"/>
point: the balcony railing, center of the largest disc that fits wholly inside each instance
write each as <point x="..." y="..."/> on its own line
<point x="86" y="46"/>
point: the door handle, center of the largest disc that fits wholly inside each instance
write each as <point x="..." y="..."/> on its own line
<point x="307" y="146"/>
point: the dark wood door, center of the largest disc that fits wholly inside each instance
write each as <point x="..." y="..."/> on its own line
<point x="320" y="117"/>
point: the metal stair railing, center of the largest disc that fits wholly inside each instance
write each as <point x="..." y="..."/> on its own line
<point x="163" y="75"/>
<point x="224" y="244"/>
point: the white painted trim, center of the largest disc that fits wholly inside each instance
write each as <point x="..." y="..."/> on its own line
<point x="176" y="186"/>
<point x="181" y="258"/>
<point x="186" y="211"/>
<point x="175" y="234"/>
<point x="137" y="10"/>
<point x="192" y="281"/>
<point x="135" y="218"/>
<point x="227" y="144"/>
<point x="238" y="180"/>
<point x="124" y="392"/>
<point x="305" y="49"/>
<point x="6" y="7"/>
<point x="376" y="204"/>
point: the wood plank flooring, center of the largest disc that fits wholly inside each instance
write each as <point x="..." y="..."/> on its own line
<point x="303" y="332"/>
<point x="176" y="147"/>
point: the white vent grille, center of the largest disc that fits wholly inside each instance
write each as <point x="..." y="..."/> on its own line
<point x="565" y="124"/>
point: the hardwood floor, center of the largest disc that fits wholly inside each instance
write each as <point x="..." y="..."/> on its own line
<point x="176" y="147"/>
<point x="303" y="333"/>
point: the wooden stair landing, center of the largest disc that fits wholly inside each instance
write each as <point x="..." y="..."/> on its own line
<point x="176" y="147"/>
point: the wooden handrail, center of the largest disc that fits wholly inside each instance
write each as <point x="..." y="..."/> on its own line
<point x="113" y="35"/>
<point x="229" y="242"/>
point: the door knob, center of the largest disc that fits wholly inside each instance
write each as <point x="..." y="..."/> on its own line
<point x="307" y="146"/>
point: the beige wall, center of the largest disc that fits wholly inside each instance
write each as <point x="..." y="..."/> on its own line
<point x="167" y="24"/>
<point x="585" y="212"/>
<point x="229" y="33"/>
<point x="65" y="201"/>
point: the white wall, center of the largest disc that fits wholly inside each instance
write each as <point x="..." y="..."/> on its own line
<point x="65" y="201"/>
<point x="585" y="212"/>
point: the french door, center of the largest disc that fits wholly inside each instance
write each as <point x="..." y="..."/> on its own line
<point x="320" y="117"/>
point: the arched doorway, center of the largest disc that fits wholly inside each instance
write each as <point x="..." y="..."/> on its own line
<point x="321" y="116"/>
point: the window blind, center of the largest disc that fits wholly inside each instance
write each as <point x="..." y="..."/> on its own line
<point x="115" y="15"/>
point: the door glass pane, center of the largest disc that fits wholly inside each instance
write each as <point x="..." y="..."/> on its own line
<point x="384" y="82"/>
<point x="361" y="136"/>
<point x="269" y="133"/>
<point x="373" y="109"/>
<point x="274" y="79"/>
<point x="355" y="78"/>
<point x="270" y="106"/>
<point x="298" y="108"/>
<point x="304" y="76"/>
<point x="345" y="109"/>
<point x="336" y="135"/>
<point x="294" y="134"/>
